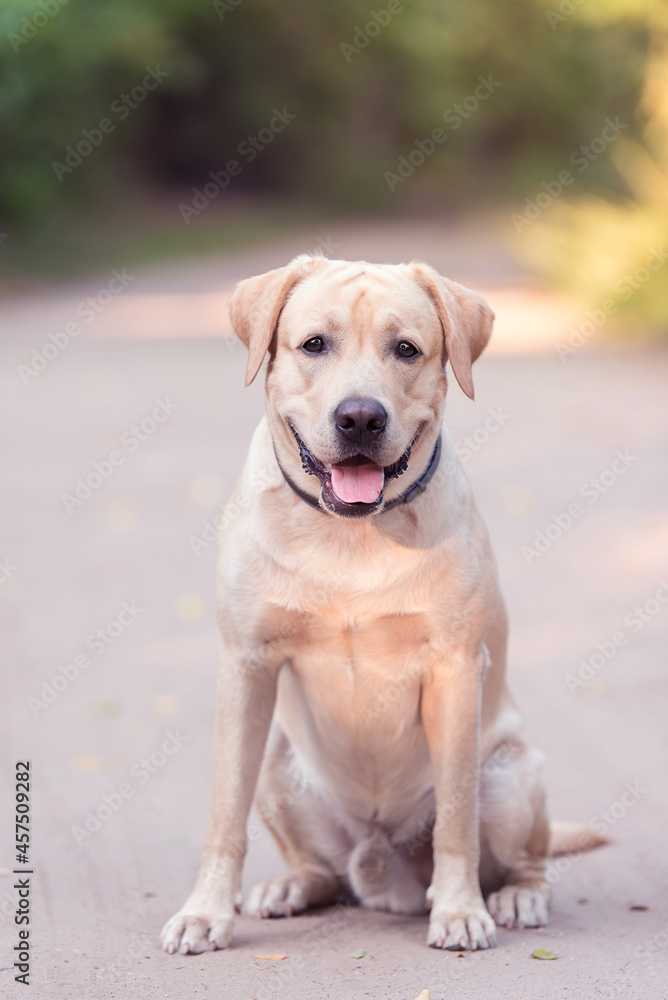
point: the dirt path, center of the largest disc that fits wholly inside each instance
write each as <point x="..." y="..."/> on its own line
<point x="98" y="905"/>
<point x="177" y="300"/>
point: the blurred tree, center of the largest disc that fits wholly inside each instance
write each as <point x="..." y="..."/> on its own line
<point x="364" y="86"/>
<point x="615" y="250"/>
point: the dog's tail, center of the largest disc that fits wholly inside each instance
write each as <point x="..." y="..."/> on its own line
<point x="569" y="838"/>
<point x="373" y="865"/>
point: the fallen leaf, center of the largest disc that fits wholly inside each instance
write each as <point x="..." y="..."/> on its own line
<point x="543" y="953"/>
<point x="106" y="706"/>
<point x="96" y="765"/>
<point x="639" y="906"/>
<point x="273" y="958"/>
<point x="424" y="995"/>
<point x="360" y="953"/>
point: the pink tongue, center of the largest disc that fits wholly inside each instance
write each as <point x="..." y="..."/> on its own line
<point x="358" y="483"/>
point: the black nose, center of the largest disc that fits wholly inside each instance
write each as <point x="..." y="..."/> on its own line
<point x="360" y="420"/>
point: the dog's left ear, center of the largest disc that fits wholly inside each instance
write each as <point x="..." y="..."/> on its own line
<point x="466" y="319"/>
<point x="256" y="304"/>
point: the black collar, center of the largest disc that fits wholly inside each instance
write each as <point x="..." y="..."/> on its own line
<point x="413" y="491"/>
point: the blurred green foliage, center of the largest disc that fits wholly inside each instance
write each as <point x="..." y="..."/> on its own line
<point x="367" y="86"/>
<point x="614" y="250"/>
<point x="229" y="63"/>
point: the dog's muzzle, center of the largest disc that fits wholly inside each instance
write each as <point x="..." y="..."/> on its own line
<point x="373" y="477"/>
<point x="328" y="475"/>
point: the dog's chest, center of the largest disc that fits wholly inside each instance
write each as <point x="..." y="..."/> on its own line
<point x="360" y="653"/>
<point x="349" y="703"/>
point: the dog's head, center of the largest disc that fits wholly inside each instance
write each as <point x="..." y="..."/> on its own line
<point x="356" y="377"/>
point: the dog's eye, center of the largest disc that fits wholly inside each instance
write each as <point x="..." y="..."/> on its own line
<point x="406" y="350"/>
<point x="314" y="345"/>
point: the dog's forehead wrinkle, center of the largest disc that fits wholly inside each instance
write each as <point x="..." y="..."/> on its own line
<point x="352" y="277"/>
<point x="378" y="274"/>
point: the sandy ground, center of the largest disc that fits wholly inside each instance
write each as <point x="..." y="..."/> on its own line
<point x="98" y="905"/>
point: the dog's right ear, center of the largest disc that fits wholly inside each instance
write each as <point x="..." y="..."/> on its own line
<point x="256" y="304"/>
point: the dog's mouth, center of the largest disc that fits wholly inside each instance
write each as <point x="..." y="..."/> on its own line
<point x="355" y="486"/>
<point x="357" y="480"/>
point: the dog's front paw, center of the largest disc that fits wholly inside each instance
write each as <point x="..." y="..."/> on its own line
<point x="466" y="929"/>
<point x="190" y="933"/>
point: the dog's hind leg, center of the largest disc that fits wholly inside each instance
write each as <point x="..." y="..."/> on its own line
<point x="311" y="842"/>
<point x="515" y="834"/>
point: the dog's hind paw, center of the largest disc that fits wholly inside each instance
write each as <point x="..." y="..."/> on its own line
<point x="289" y="894"/>
<point x="518" y="906"/>
<point x="278" y="897"/>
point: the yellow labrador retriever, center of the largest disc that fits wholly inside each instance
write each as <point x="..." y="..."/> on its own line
<point x="362" y="698"/>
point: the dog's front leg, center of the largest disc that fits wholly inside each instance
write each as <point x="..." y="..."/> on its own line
<point x="450" y="708"/>
<point x="245" y="704"/>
